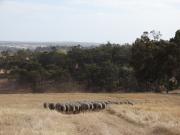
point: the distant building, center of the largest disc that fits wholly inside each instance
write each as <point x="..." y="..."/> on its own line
<point x="2" y="71"/>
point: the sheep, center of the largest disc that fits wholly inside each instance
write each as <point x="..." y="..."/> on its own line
<point x="106" y="102"/>
<point x="88" y="106"/>
<point x="96" y="106"/>
<point x="74" y="108"/>
<point x="63" y="108"/>
<point x="71" y="108"/>
<point x="109" y="102"/>
<point x="60" y="107"/>
<point x="51" y="106"/>
<point x="77" y="108"/>
<point x="130" y="103"/>
<point x="100" y="106"/>
<point x="45" y="105"/>
<point x="115" y="102"/>
<point x="84" y="106"/>
<point x="120" y="102"/>
<point x="103" y="105"/>
<point x="91" y="106"/>
<point x="67" y="107"/>
<point x="80" y="107"/>
<point x="126" y="102"/>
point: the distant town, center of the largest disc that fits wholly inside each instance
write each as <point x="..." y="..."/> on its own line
<point x="13" y="46"/>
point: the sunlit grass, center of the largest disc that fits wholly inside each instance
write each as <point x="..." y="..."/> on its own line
<point x="151" y="113"/>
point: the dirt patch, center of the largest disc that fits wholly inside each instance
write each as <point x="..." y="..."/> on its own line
<point x="163" y="131"/>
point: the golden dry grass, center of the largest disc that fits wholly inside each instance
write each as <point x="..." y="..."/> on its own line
<point x="152" y="114"/>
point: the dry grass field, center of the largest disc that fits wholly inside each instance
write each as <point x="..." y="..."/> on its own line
<point x="151" y="114"/>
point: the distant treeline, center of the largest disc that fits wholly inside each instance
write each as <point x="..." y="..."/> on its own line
<point x="149" y="64"/>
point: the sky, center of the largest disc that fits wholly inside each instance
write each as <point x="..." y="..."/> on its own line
<point x="117" y="21"/>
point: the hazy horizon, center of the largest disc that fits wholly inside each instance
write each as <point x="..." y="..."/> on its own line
<point x="97" y="21"/>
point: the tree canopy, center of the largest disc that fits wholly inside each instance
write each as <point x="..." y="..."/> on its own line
<point x="149" y="64"/>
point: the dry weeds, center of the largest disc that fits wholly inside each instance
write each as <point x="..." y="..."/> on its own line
<point x="152" y="114"/>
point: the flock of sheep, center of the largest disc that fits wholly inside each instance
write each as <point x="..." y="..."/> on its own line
<point x="82" y="106"/>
